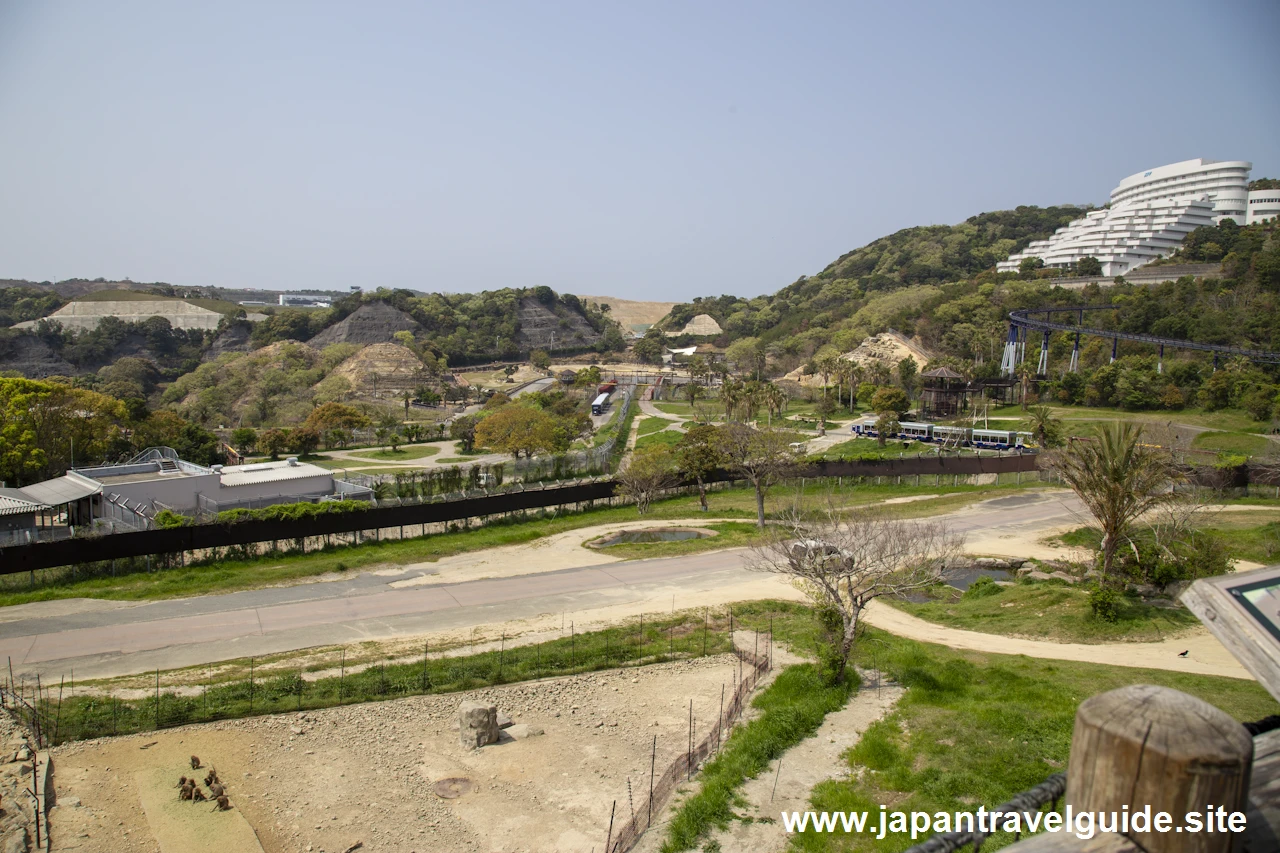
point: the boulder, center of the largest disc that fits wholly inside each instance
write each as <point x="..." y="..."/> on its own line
<point x="1146" y="590"/>
<point x="1062" y="576"/>
<point x="991" y="563"/>
<point x="1026" y="570"/>
<point x="520" y="731"/>
<point x="1038" y="576"/>
<point x="1175" y="589"/>
<point x="477" y="724"/>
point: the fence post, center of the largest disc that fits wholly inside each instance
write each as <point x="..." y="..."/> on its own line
<point x="688" y="761"/>
<point x="250" y="685"/>
<point x="342" y="676"/>
<point x="1143" y="746"/>
<point x="608" y="845"/>
<point x="653" y="763"/>
<point x="157" y="700"/>
<point x="426" y="679"/>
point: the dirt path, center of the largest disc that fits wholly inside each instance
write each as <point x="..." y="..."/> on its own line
<point x="653" y="411"/>
<point x="787" y="784"/>
<point x="1207" y="656"/>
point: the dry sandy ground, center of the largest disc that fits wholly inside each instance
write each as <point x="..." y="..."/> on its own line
<point x="323" y="780"/>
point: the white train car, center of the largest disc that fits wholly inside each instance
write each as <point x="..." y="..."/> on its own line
<point x="952" y="435"/>
<point x="916" y="430"/>
<point x="1000" y="439"/>
<point x="865" y="426"/>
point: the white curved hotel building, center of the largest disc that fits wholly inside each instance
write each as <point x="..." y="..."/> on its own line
<point x="1151" y="213"/>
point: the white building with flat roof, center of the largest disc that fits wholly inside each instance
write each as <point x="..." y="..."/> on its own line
<point x="1150" y="214"/>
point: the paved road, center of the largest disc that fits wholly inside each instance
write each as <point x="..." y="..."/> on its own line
<point x="55" y="638"/>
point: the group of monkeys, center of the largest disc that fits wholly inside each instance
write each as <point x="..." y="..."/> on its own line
<point x="189" y="789"/>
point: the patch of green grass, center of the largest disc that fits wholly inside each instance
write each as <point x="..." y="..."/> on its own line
<point x="1253" y="536"/>
<point x="652" y="425"/>
<point x="793" y="707"/>
<point x="669" y="437"/>
<point x="731" y="534"/>
<point x="978" y="728"/>
<point x="673" y="408"/>
<point x="854" y="449"/>
<point x="404" y="454"/>
<point x="1049" y="610"/>
<point x="1234" y="442"/>
<point x="135" y="580"/>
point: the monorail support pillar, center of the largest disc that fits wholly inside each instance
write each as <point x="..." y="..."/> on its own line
<point x="1160" y="363"/>
<point x="1075" y="355"/>
<point x="1115" y="343"/>
<point x="1042" y="369"/>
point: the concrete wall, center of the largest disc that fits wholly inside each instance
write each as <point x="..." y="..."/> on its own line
<point x="176" y="492"/>
<point x="302" y="487"/>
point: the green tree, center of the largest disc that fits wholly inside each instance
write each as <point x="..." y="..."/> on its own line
<point x="273" y="442"/>
<point x="42" y="422"/>
<point x="540" y="359"/>
<point x="244" y="439"/>
<point x="462" y="429"/>
<point x="886" y="425"/>
<point x="1044" y="426"/>
<point x="763" y="457"/>
<point x="304" y="440"/>
<point x="517" y="429"/>
<point x="1118" y="477"/>
<point x="1089" y="267"/>
<point x="1030" y="265"/>
<point x="891" y="400"/>
<point x="335" y="422"/>
<point x="907" y="372"/>
<point x="698" y="456"/>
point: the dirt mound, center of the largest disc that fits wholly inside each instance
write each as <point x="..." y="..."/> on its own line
<point x="630" y="312"/>
<point x="396" y="368"/>
<point x="542" y="328"/>
<point x="889" y="348"/>
<point x="701" y="324"/>
<point x="372" y="323"/>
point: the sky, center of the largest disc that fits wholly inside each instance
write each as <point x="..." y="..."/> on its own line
<point x="656" y="150"/>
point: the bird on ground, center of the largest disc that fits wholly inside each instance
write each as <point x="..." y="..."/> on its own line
<point x="1184" y="654"/>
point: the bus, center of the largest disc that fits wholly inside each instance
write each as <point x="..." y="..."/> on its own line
<point x="600" y="404"/>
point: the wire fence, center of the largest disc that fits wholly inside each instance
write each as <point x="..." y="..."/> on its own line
<point x="56" y="711"/>
<point x="752" y="665"/>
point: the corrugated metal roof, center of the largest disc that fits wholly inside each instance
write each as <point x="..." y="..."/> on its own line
<point x="62" y="490"/>
<point x="270" y="472"/>
<point x="16" y="502"/>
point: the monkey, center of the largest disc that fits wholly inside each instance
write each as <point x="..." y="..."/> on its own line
<point x="187" y="791"/>
<point x="182" y="781"/>
<point x="212" y="778"/>
<point x="216" y="790"/>
<point x="195" y="762"/>
<point x="197" y="796"/>
<point x="222" y="804"/>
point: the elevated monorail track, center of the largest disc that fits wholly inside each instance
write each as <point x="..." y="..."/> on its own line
<point x="1022" y="323"/>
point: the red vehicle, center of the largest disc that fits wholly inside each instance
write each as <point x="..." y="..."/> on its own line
<point x="607" y="388"/>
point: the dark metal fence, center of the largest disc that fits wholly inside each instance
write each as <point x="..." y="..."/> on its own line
<point x="681" y="770"/>
<point x="1047" y="792"/>
<point x="29" y="557"/>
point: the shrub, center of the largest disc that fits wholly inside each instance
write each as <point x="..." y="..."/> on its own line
<point x="982" y="587"/>
<point x="1104" y="601"/>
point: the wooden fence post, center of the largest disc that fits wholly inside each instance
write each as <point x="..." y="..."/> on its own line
<point x="1152" y="746"/>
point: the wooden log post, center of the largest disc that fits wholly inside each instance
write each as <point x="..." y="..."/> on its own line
<point x="1143" y="746"/>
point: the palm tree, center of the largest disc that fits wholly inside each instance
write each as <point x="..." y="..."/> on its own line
<point x="774" y="399"/>
<point x="1118" y="478"/>
<point x="1044" y="426"/>
<point x="693" y="391"/>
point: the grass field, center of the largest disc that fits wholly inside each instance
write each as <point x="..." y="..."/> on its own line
<point x="404" y="454"/>
<point x="1251" y="535"/>
<point x="1049" y="610"/>
<point x="977" y="728"/>
<point x="135" y="582"/>
<point x="856" y="448"/>
<point x="668" y="437"/>
<point x="1235" y="442"/>
<point x="1223" y="419"/>
<point x="652" y="425"/>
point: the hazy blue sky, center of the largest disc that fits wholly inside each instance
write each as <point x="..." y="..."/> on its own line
<point x="647" y="150"/>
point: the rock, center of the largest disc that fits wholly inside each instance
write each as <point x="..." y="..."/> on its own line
<point x="1025" y="570"/>
<point x="991" y="563"/>
<point x="1005" y="583"/>
<point x="1062" y="576"/>
<point x="17" y="841"/>
<point x="1175" y="589"/>
<point x="520" y="731"/>
<point x="1038" y="576"/>
<point x="1145" y="590"/>
<point x="477" y="724"/>
<point x="504" y="722"/>
<point x="960" y="563"/>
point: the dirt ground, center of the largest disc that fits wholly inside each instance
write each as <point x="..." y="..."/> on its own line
<point x="324" y="780"/>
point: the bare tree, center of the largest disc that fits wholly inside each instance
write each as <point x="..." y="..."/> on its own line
<point x="845" y="559"/>
<point x="763" y="457"/>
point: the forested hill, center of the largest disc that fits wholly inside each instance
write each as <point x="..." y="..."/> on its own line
<point x="933" y="254"/>
<point x="907" y="259"/>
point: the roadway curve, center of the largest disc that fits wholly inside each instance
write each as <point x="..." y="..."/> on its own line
<point x="513" y="586"/>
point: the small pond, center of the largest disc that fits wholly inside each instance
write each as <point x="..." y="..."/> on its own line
<point x="657" y="534"/>
<point x="962" y="580"/>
